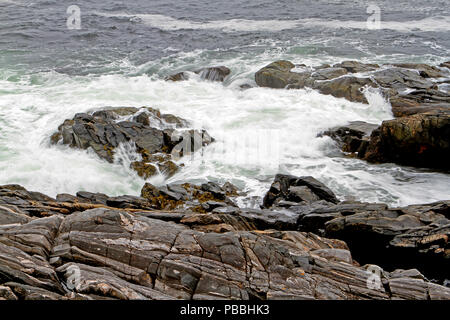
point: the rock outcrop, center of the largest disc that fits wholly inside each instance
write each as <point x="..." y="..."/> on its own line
<point x="148" y="133"/>
<point x="352" y="138"/>
<point x="289" y="190"/>
<point x="421" y="140"/>
<point x="211" y="74"/>
<point x="410" y="88"/>
<point x="203" y="198"/>
<point x="110" y="253"/>
<point x="410" y="237"/>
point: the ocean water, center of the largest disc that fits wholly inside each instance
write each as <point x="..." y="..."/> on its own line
<point x="124" y="49"/>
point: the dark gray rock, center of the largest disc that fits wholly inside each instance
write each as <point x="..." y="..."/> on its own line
<point x="97" y="252"/>
<point x="410" y="88"/>
<point x="153" y="135"/>
<point x="212" y="74"/>
<point x="297" y="190"/>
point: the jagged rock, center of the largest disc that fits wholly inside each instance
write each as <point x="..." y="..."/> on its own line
<point x="411" y="88"/>
<point x="445" y="64"/>
<point x="411" y="273"/>
<point x="212" y="74"/>
<point x="421" y="140"/>
<point x="410" y="237"/>
<point x="7" y="294"/>
<point x="425" y="70"/>
<point x="204" y="198"/>
<point x="403" y="237"/>
<point x="26" y="292"/>
<point x="90" y="197"/>
<point x="148" y="132"/>
<point x="104" y="282"/>
<point x="354" y="137"/>
<point x="297" y="190"/>
<point x="334" y="255"/>
<point x="20" y="208"/>
<point x="105" y="253"/>
<point x="400" y="78"/>
<point x="182" y="263"/>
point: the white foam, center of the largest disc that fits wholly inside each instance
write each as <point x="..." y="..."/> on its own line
<point x="163" y="22"/>
<point x="30" y="113"/>
<point x="233" y="25"/>
<point x="437" y="23"/>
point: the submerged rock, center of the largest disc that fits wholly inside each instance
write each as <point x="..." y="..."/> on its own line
<point x="212" y="74"/>
<point x="148" y="133"/>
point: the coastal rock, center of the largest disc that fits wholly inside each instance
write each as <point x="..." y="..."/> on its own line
<point x="445" y="64"/>
<point x="409" y="237"/>
<point x="107" y="253"/>
<point x="410" y="88"/>
<point x="356" y="67"/>
<point x="212" y="74"/>
<point x="278" y="75"/>
<point x="203" y="198"/>
<point x="297" y="190"/>
<point x="352" y="138"/>
<point x="348" y="87"/>
<point x="421" y="140"/>
<point x="152" y="136"/>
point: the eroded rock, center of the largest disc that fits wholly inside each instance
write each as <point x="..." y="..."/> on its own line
<point x="99" y="252"/>
<point x="410" y="88"/>
<point x="212" y="74"/>
<point x="152" y="136"/>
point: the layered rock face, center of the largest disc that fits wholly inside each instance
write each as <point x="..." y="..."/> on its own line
<point x="91" y="246"/>
<point x="154" y="136"/>
<point x="410" y="88"/>
<point x="410" y="237"/>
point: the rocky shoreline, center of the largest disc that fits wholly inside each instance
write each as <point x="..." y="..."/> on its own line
<point x="91" y="246"/>
<point x="186" y="241"/>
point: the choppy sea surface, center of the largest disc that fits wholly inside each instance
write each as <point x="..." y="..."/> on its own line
<point x="124" y="49"/>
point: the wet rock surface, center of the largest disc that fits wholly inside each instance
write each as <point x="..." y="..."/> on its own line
<point x="91" y="246"/>
<point x="352" y="138"/>
<point x="421" y="140"/>
<point x="408" y="237"/>
<point x="410" y="88"/>
<point x="153" y="136"/>
<point x="199" y="198"/>
<point x="217" y="74"/>
<point x="287" y="189"/>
